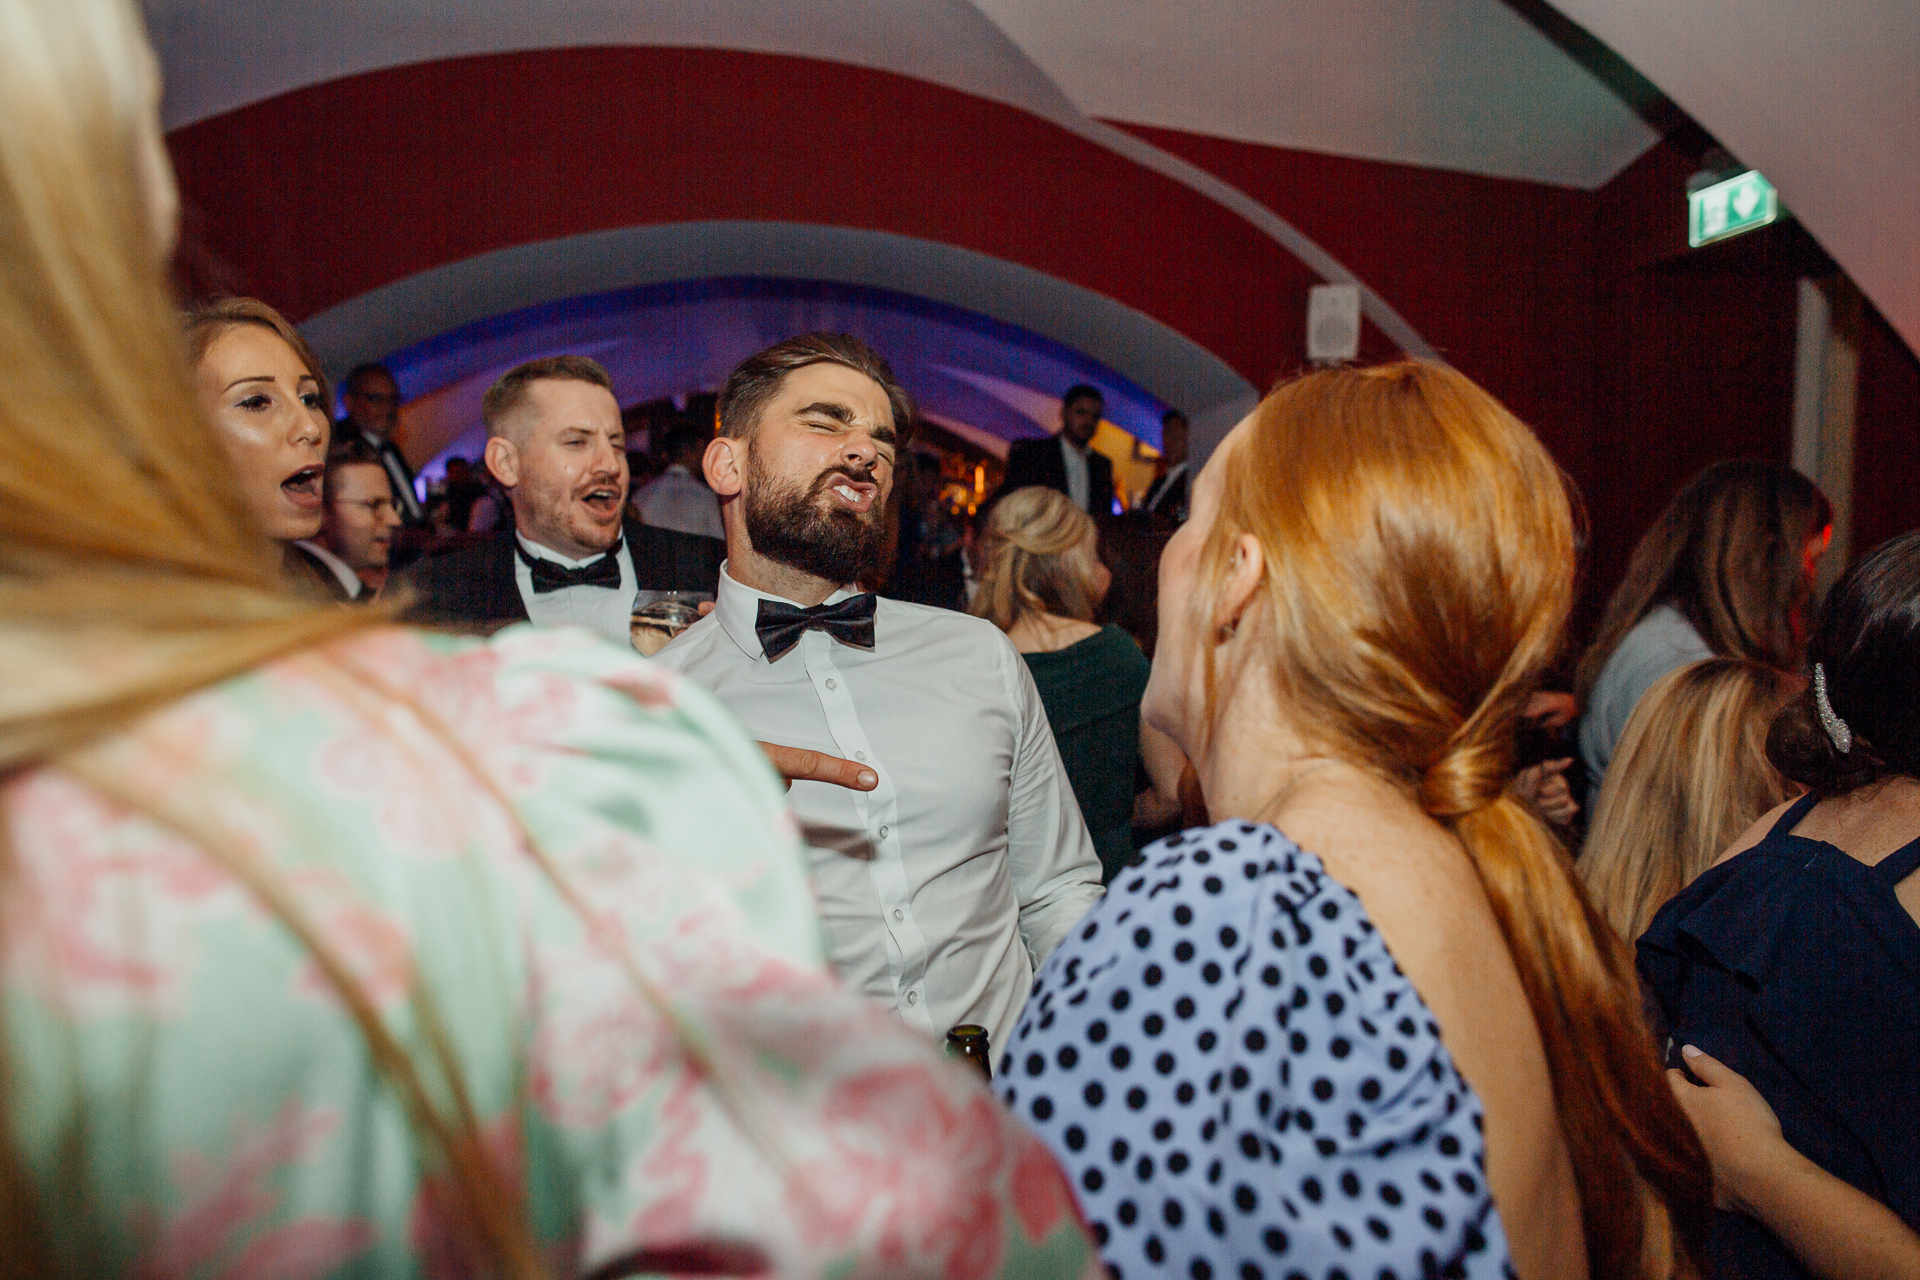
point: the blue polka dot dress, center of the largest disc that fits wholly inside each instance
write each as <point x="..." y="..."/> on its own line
<point x="1240" y="1082"/>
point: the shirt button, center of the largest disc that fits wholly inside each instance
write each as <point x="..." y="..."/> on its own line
<point x="859" y="755"/>
<point x="883" y="833"/>
<point x="913" y="997"/>
<point x="833" y="684"/>
<point x="898" y="914"/>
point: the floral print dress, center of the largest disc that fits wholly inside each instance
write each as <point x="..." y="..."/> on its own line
<point x="556" y="860"/>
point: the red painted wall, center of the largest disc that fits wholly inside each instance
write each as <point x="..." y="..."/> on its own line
<point x="1496" y="274"/>
<point x="322" y="194"/>
<point x="1637" y="360"/>
<point x="1693" y="353"/>
<point x="1886" y="443"/>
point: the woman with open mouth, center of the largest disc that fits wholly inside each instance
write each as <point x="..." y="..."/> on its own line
<point x="259" y="383"/>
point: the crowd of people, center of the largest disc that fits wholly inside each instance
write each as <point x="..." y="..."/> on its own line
<point x="351" y="929"/>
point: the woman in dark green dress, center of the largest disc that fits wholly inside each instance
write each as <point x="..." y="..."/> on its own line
<point x="1041" y="583"/>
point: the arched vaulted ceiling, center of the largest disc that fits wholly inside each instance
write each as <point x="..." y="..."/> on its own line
<point x="1008" y="95"/>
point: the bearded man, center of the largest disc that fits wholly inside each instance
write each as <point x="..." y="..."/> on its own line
<point x="944" y="884"/>
<point x="555" y="443"/>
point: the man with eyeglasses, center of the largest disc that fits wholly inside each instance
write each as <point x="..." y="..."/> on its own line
<point x="372" y="400"/>
<point x="356" y="534"/>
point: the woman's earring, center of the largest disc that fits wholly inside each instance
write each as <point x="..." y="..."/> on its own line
<point x="1225" y="631"/>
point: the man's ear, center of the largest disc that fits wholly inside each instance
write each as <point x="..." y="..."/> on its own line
<point x="503" y="460"/>
<point x="725" y="465"/>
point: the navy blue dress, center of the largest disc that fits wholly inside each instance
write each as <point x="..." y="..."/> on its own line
<point x="1240" y="1082"/>
<point x="1795" y="965"/>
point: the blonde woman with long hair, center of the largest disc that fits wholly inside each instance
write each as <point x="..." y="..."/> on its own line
<point x="1042" y="583"/>
<point x="336" y="948"/>
<point x="1690" y="774"/>
<point x="1367" y="1020"/>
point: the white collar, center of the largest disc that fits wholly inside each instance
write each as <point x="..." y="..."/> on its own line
<point x="738" y="608"/>
<point x="335" y="565"/>
<point x="1082" y="449"/>
<point x="539" y="552"/>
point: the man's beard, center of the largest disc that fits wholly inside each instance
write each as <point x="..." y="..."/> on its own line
<point x="797" y="529"/>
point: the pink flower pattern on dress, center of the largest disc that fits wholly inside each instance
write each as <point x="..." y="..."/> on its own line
<point x="829" y="1139"/>
<point x="116" y="924"/>
<point x="923" y="1170"/>
<point x="233" y="1200"/>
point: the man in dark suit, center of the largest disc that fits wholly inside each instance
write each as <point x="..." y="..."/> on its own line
<point x="372" y="400"/>
<point x="556" y="445"/>
<point x="350" y="555"/>
<point x="1166" y="497"/>
<point x="1067" y="462"/>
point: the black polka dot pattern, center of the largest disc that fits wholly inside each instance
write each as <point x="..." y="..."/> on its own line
<point x="1239" y="1081"/>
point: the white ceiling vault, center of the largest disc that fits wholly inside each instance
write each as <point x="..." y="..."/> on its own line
<point x="1822" y="98"/>
<point x="1451" y="84"/>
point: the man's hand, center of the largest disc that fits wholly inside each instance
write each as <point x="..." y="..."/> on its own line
<point x="1735" y="1124"/>
<point x="797" y="764"/>
<point x="1544" y="786"/>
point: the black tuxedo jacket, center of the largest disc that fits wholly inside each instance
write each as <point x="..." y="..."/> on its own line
<point x="310" y="576"/>
<point x="1040" y="462"/>
<point x="399" y="471"/>
<point x="475" y="586"/>
<point x="1172" y="506"/>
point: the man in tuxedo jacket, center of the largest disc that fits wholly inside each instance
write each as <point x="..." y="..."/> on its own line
<point x="350" y="555"/>
<point x="556" y="445"/>
<point x="1067" y="462"/>
<point x="371" y="399"/>
<point x="1166" y="498"/>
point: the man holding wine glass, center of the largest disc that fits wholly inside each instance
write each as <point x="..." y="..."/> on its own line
<point x="556" y="445"/>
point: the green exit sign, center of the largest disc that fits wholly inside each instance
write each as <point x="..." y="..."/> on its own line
<point x="1730" y="207"/>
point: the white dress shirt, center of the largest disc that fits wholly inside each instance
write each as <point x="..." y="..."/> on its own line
<point x="343" y="572"/>
<point x="605" y="611"/>
<point x="675" y="500"/>
<point x="1075" y="459"/>
<point x="943" y="888"/>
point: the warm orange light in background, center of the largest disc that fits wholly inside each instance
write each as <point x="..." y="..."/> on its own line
<point x="1132" y="459"/>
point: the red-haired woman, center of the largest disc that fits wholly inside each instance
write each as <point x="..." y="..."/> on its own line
<point x="1367" y="1020"/>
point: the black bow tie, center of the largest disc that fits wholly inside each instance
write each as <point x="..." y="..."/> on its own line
<point x="548" y="576"/>
<point x="780" y="626"/>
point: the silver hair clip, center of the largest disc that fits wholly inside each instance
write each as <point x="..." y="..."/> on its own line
<point x="1836" y="727"/>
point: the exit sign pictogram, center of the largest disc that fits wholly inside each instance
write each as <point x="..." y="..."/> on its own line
<point x="1727" y="208"/>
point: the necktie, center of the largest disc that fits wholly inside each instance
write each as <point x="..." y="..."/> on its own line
<point x="548" y="576"/>
<point x="780" y="626"/>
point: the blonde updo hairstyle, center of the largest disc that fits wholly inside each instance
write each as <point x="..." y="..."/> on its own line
<point x="1419" y="558"/>
<point x="1038" y="552"/>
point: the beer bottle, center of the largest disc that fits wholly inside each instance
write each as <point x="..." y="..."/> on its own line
<point x="969" y="1041"/>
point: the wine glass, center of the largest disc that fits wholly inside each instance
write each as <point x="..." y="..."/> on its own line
<point x="659" y="616"/>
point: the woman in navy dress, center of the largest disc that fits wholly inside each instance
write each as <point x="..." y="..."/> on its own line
<point x="1367" y="1025"/>
<point x="1795" y="961"/>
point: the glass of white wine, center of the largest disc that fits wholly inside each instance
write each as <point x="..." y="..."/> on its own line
<point x="659" y="616"/>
